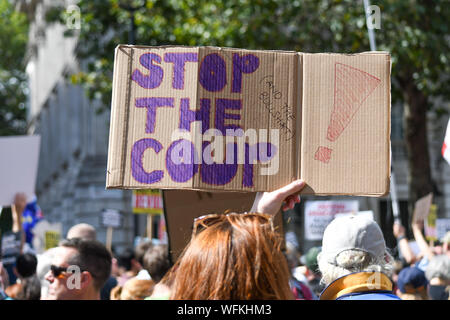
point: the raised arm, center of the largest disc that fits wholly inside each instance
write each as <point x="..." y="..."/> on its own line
<point x="417" y="226"/>
<point x="284" y="198"/>
<point x="402" y="242"/>
<point x="20" y="202"/>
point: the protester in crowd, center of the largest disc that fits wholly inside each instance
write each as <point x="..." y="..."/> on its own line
<point x="299" y="288"/>
<point x="27" y="286"/>
<point x="156" y="261"/>
<point x="133" y="289"/>
<point x="139" y="253"/>
<point x="79" y="270"/>
<point x="438" y="276"/>
<point x="312" y="274"/>
<point x="13" y="240"/>
<point x="83" y="231"/>
<point x="412" y="284"/>
<point x="405" y="251"/>
<point x="115" y="270"/>
<point x="354" y="262"/>
<point x="427" y="252"/>
<point x="236" y="256"/>
<point x="87" y="232"/>
<point x="398" y="266"/>
<point x="128" y="266"/>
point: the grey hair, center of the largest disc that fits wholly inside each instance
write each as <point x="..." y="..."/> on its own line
<point x="351" y="261"/>
<point x="438" y="267"/>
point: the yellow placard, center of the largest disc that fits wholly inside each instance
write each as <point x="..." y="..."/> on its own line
<point x="51" y="239"/>
<point x="148" y="202"/>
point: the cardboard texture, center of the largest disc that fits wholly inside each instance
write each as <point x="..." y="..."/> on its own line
<point x="181" y="207"/>
<point x="223" y="119"/>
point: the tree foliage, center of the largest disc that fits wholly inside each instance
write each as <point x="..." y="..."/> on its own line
<point x="412" y="31"/>
<point x="13" y="82"/>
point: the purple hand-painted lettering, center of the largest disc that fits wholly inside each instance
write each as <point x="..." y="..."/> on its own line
<point x="218" y="174"/>
<point x="245" y="64"/>
<point x="187" y="116"/>
<point x="179" y="60"/>
<point x="213" y="73"/>
<point x="137" y="169"/>
<point x="156" y="74"/>
<point x="266" y="151"/>
<point x="221" y="106"/>
<point x="183" y="152"/>
<point x="151" y="104"/>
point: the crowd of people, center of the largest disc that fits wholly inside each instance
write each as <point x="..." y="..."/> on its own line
<point x="237" y="256"/>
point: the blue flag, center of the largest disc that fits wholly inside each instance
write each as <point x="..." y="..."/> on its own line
<point x="31" y="215"/>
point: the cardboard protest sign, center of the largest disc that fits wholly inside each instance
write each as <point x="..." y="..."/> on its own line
<point x="18" y="167"/>
<point x="111" y="218"/>
<point x="148" y="201"/>
<point x="182" y="207"/>
<point x="422" y="208"/>
<point x="318" y="214"/>
<point x="222" y="119"/>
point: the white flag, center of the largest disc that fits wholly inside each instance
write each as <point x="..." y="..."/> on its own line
<point x="446" y="144"/>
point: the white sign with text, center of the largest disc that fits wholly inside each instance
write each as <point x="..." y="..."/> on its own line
<point x="318" y="214"/>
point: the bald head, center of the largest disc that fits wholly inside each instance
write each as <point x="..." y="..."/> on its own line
<point x="83" y="231"/>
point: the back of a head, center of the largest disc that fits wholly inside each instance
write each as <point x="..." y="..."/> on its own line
<point x="237" y="257"/>
<point x="310" y="259"/>
<point x="92" y="256"/>
<point x="31" y="289"/>
<point x="26" y="265"/>
<point x="353" y="244"/>
<point x="83" y="231"/>
<point x="133" y="289"/>
<point x="140" y="250"/>
<point x="156" y="261"/>
<point x="438" y="267"/>
<point x="124" y="259"/>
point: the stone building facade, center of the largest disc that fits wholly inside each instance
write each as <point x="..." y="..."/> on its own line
<point x="71" y="177"/>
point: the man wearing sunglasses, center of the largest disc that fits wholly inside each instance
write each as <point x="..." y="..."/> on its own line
<point x="79" y="270"/>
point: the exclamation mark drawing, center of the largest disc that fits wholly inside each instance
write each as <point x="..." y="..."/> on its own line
<point x="352" y="86"/>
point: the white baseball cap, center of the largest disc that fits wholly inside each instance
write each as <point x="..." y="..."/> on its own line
<point x="352" y="233"/>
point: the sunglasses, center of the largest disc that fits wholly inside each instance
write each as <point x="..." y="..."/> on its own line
<point x="58" y="271"/>
<point x="208" y="220"/>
